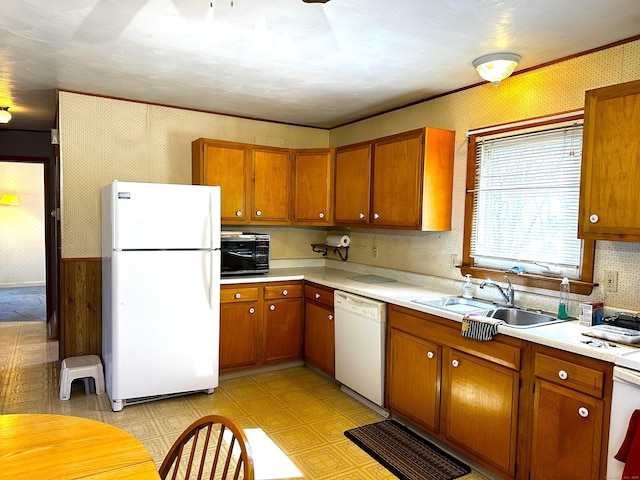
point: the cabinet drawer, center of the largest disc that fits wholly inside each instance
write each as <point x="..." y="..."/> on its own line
<point x="319" y="294"/>
<point x="577" y="377"/>
<point x="282" y="291"/>
<point x="242" y="294"/>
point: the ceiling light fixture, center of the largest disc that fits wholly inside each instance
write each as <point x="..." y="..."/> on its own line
<point x="5" y="116"/>
<point x="495" y="67"/>
<point x="315" y="1"/>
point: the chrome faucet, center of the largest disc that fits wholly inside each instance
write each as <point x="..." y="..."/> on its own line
<point x="508" y="295"/>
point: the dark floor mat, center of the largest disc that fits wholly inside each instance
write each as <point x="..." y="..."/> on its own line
<point x="405" y="454"/>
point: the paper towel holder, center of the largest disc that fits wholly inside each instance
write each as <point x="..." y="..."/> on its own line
<point x="323" y="248"/>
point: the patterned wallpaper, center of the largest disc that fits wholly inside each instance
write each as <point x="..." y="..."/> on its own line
<point x="22" y="245"/>
<point x="106" y="139"/>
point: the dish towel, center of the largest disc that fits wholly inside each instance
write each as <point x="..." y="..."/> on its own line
<point x="629" y="451"/>
<point x="479" y="327"/>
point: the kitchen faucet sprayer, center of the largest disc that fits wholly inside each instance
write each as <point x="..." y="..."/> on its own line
<point x="507" y="294"/>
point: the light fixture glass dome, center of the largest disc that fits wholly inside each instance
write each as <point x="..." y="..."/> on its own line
<point x="5" y="116"/>
<point x="495" y="67"/>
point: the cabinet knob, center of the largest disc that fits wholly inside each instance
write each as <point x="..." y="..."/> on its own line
<point x="252" y="310"/>
<point x="430" y="354"/>
<point x="563" y="375"/>
<point x="361" y="215"/>
<point x="285" y="292"/>
<point x="238" y="295"/>
<point x="321" y="215"/>
<point x="330" y="317"/>
<point x="583" y="412"/>
<point x="376" y="216"/>
<point x="238" y="213"/>
<point x="317" y="295"/>
<point x="272" y="307"/>
<point x="455" y="363"/>
<point x="594" y="218"/>
<point x="259" y="212"/>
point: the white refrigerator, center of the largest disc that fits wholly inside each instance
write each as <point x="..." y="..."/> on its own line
<point x="160" y="290"/>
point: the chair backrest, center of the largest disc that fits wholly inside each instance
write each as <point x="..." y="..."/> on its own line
<point x="212" y="447"/>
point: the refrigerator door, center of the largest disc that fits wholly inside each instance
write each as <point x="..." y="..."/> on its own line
<point x="165" y="323"/>
<point x="162" y="216"/>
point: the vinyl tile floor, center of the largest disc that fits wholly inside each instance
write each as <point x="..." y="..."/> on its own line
<point x="305" y="414"/>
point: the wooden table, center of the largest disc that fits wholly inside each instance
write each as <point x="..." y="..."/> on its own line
<point x="42" y="446"/>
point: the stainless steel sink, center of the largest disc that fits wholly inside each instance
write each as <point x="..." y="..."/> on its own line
<point x="458" y="305"/>
<point x="521" y="318"/>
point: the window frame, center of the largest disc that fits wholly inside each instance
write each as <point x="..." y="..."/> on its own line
<point x="584" y="285"/>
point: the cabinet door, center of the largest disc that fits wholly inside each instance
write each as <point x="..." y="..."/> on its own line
<point x="283" y="330"/>
<point x="397" y="180"/>
<point x="352" y="185"/>
<point x="481" y="401"/>
<point x="609" y="193"/>
<point x="567" y="428"/>
<point x="239" y="334"/>
<point x="414" y="379"/>
<point x="313" y="187"/>
<point x="270" y="184"/>
<point x="227" y="165"/>
<point x="319" y="338"/>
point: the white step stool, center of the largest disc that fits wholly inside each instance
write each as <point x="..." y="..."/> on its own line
<point x="85" y="367"/>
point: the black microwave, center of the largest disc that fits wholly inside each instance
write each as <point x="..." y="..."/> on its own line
<point x="244" y="253"/>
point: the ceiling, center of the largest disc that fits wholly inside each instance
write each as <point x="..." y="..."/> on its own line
<point x="314" y="64"/>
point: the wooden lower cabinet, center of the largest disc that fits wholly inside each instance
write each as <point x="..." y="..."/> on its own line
<point x="481" y="411"/>
<point x="463" y="392"/>
<point x="240" y="326"/>
<point x="239" y="335"/>
<point x="568" y="435"/>
<point x="283" y="323"/>
<point x="260" y="324"/>
<point x="319" y="333"/>
<point x="414" y="378"/>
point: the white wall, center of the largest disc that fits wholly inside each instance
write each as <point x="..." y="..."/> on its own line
<point x="22" y="241"/>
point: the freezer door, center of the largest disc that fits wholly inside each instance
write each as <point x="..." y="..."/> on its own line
<point x="165" y="323"/>
<point x="161" y="216"/>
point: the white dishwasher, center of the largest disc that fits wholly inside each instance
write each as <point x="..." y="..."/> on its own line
<point x="360" y="337"/>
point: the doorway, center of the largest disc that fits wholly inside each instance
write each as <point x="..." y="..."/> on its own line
<point x="29" y="257"/>
<point x="22" y="242"/>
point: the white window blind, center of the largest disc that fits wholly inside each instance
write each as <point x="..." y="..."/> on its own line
<point x="526" y="201"/>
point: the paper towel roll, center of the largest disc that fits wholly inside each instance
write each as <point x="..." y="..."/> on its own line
<point x="338" y="240"/>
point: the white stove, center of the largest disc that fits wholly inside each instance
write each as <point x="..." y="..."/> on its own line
<point x="625" y="400"/>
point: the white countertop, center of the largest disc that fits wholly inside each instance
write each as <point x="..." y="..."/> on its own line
<point x="564" y="336"/>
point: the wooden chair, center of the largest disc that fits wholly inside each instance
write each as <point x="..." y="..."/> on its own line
<point x="212" y="447"/>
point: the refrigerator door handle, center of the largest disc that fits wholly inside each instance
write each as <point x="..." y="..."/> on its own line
<point x="212" y="284"/>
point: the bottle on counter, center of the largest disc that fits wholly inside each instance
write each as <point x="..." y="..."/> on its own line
<point x="563" y="304"/>
<point x="468" y="290"/>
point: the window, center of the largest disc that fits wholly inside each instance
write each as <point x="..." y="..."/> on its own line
<point x="523" y="189"/>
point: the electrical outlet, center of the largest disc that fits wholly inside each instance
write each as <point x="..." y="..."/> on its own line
<point x="374" y="251"/>
<point x="454" y="260"/>
<point x="610" y="281"/>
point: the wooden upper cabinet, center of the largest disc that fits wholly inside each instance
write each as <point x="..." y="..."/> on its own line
<point x="270" y="185"/>
<point x="227" y="165"/>
<point x="609" y="194"/>
<point x="352" y="184"/>
<point x="403" y="181"/>
<point x="397" y="186"/>
<point x="313" y="187"/>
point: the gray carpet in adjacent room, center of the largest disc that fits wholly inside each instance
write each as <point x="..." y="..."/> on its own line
<point x="23" y="304"/>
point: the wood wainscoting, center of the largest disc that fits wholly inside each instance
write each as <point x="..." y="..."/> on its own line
<point x="80" y="307"/>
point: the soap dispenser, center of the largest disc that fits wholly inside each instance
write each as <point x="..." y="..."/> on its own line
<point x="563" y="304"/>
<point x="468" y="290"/>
